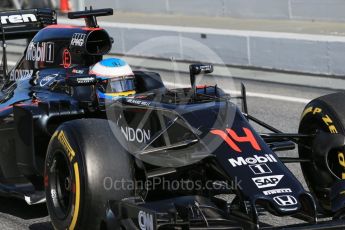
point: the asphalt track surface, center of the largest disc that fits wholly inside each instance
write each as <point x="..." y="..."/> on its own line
<point x="279" y="105"/>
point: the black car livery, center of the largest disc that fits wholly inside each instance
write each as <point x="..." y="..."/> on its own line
<point x="158" y="158"/>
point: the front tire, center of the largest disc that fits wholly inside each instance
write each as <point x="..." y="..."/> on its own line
<point x="323" y="114"/>
<point x="82" y="155"/>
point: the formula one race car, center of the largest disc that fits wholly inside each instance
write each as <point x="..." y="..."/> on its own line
<point x="133" y="154"/>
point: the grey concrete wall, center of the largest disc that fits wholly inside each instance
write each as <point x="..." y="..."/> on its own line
<point x="276" y="9"/>
<point x="270" y="9"/>
<point x="288" y="52"/>
<point x="316" y="54"/>
<point x="318" y="9"/>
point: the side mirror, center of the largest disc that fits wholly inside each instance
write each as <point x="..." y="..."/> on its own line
<point x="196" y="69"/>
<point x="81" y="80"/>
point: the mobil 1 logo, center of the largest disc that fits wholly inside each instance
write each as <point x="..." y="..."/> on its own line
<point x="260" y="169"/>
<point x="40" y="52"/>
<point x="254" y="160"/>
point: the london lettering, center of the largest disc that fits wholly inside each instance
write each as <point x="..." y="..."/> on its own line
<point x="138" y="135"/>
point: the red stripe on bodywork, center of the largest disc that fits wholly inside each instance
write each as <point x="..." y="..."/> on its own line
<point x="72" y="27"/>
<point x="227" y="139"/>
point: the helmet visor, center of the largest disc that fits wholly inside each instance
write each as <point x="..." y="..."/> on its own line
<point x="117" y="85"/>
<point x="121" y="85"/>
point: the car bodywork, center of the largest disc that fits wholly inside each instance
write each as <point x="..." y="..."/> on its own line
<point x="35" y="93"/>
<point x="197" y="132"/>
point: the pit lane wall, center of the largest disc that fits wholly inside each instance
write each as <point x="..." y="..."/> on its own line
<point x="332" y="10"/>
<point x="311" y="54"/>
<point x="301" y="53"/>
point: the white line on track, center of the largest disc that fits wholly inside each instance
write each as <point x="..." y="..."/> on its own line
<point x="279" y="97"/>
<point x="254" y="94"/>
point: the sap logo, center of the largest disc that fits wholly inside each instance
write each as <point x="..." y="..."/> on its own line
<point x="21" y="74"/>
<point x="267" y="181"/>
<point x="78" y="39"/>
<point x="40" y="51"/>
<point x="277" y="191"/>
<point x="18" y="18"/>
<point x="285" y="200"/>
<point x="231" y="136"/>
<point x="252" y="160"/>
<point x="145" y="221"/>
<point x="138" y="135"/>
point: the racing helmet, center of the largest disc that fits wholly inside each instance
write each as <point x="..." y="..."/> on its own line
<point x="116" y="78"/>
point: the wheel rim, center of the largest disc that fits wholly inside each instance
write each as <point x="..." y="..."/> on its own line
<point x="61" y="185"/>
<point x="330" y="157"/>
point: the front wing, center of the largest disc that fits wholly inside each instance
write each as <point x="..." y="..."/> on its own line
<point x="191" y="212"/>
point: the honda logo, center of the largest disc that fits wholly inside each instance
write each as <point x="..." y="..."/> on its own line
<point x="285" y="200"/>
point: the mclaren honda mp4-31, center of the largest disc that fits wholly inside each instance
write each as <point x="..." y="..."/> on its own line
<point x="158" y="158"/>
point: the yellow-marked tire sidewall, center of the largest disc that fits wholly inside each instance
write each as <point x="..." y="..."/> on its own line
<point x="62" y="145"/>
<point x="99" y="156"/>
<point x="320" y="115"/>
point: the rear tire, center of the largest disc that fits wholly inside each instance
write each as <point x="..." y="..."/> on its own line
<point x="82" y="156"/>
<point x="323" y="114"/>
